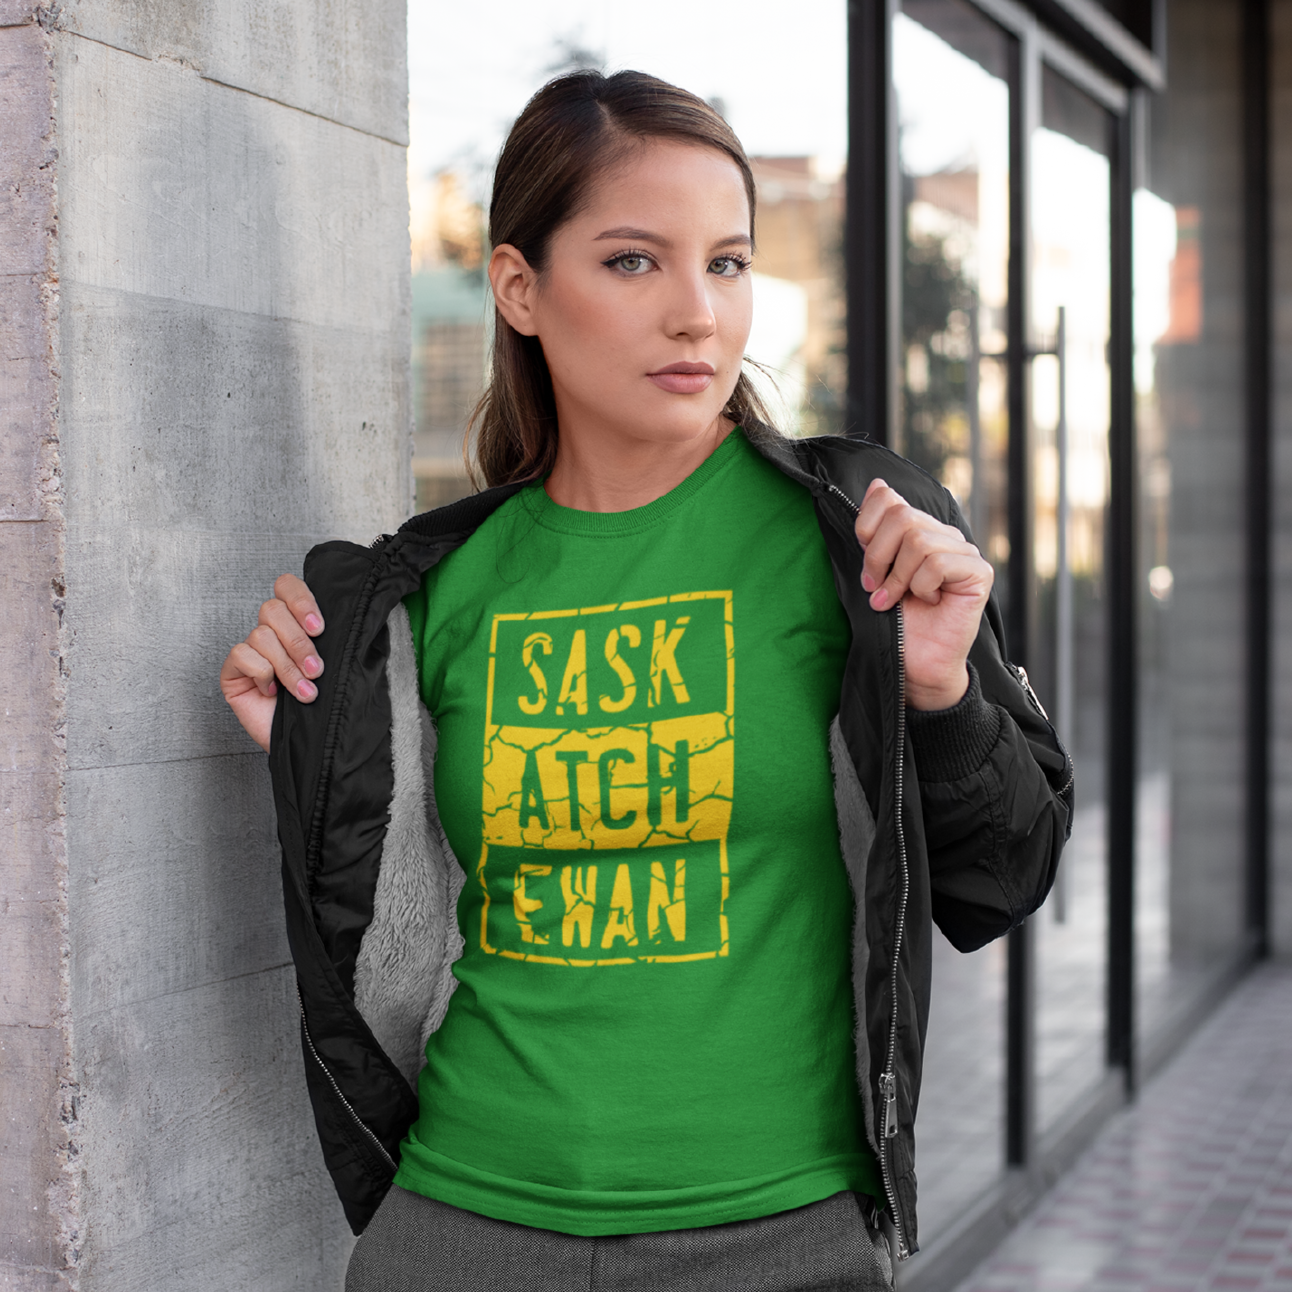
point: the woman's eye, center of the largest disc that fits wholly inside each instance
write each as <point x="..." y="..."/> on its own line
<point x="728" y="266"/>
<point x="635" y="265"/>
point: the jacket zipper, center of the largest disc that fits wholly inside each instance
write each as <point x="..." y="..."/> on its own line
<point x="345" y="1103"/>
<point x="888" y="1078"/>
<point x="1025" y="682"/>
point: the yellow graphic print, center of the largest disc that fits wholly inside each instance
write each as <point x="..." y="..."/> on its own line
<point x="608" y="771"/>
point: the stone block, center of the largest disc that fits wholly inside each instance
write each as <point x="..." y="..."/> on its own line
<point x="152" y="614"/>
<point x="230" y="422"/>
<point x="33" y="1153"/>
<point x="34" y="1058"/>
<point x="26" y="161"/>
<point x="176" y="882"/>
<point x="27" y="221"/>
<point x="17" y="13"/>
<point x="31" y="901"/>
<point x="175" y="187"/>
<point x="31" y="662"/>
<point x="202" y="1168"/>
<point x="237" y="444"/>
<point x="28" y="392"/>
<point x="344" y="60"/>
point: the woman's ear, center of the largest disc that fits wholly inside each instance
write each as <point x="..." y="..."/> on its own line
<point x="514" y="285"/>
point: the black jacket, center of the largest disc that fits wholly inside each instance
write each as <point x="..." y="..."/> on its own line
<point x="956" y="818"/>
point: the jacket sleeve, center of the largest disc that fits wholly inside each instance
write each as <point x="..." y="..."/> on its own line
<point x="996" y="789"/>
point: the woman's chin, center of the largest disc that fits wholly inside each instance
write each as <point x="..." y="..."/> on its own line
<point x="678" y="419"/>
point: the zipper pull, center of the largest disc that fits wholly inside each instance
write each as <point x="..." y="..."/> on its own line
<point x="888" y="1085"/>
<point x="1025" y="682"/>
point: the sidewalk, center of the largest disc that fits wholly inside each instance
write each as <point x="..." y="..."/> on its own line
<point x="1190" y="1190"/>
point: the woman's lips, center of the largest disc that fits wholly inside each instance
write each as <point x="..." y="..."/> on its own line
<point x="683" y="378"/>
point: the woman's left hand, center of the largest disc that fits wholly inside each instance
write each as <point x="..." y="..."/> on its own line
<point x="942" y="582"/>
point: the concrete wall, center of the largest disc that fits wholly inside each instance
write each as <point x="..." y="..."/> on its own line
<point x="37" y="1221"/>
<point x="1281" y="86"/>
<point x="204" y="322"/>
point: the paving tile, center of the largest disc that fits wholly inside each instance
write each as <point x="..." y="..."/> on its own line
<point x="1191" y="1189"/>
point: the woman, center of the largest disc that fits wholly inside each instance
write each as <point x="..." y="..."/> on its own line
<point x="665" y="1019"/>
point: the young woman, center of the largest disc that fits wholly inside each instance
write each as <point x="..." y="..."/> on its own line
<point x="617" y="823"/>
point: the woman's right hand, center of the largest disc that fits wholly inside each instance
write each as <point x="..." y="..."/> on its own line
<point x="279" y="649"/>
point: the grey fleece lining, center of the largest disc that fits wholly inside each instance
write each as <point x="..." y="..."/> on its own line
<point x="403" y="979"/>
<point x="856" y="835"/>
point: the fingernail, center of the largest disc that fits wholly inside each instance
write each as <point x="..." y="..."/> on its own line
<point x="868" y="583"/>
<point x="313" y="665"/>
<point x="313" y="624"/>
<point x="273" y="687"/>
<point x="306" y="690"/>
<point x="880" y="600"/>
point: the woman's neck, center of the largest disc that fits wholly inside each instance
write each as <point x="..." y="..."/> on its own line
<point x="603" y="473"/>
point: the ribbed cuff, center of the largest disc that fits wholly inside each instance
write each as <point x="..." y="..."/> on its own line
<point x="952" y="743"/>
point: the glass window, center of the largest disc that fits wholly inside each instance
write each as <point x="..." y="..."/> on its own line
<point x="950" y="68"/>
<point x="1071" y="405"/>
<point x="951" y="73"/>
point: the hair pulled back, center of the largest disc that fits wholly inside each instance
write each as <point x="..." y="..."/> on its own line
<point x="571" y="132"/>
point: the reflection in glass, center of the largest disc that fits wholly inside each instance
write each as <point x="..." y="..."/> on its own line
<point x="950" y="67"/>
<point x="1070" y="272"/>
<point x="798" y="332"/>
<point x="450" y="331"/>
<point x="1155" y="268"/>
<point x="950" y="70"/>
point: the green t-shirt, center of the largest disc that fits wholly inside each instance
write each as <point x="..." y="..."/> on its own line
<point x="653" y="1024"/>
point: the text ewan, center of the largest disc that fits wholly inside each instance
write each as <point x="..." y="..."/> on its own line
<point x="611" y="924"/>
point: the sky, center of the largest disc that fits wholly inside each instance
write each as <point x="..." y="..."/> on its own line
<point x="472" y="66"/>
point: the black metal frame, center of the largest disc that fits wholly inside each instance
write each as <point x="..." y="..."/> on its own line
<point x="1020" y="976"/>
<point x="1114" y="46"/>
<point x="1259" y="347"/>
<point x="1122" y="574"/>
<point x="867" y="235"/>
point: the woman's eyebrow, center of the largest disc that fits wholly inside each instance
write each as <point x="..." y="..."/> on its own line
<point x="645" y="235"/>
<point x="638" y="235"/>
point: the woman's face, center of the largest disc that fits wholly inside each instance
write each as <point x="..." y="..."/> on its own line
<point x="644" y="308"/>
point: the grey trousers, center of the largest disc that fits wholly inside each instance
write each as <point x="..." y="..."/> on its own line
<point x="415" y="1244"/>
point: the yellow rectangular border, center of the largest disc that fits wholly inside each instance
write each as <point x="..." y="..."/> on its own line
<point x="676" y="598"/>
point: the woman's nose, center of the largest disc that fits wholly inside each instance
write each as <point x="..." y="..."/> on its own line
<point x="690" y="309"/>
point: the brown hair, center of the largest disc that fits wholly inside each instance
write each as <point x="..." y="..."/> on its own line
<point x="575" y="128"/>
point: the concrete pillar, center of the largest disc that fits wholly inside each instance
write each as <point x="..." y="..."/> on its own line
<point x="1281" y="180"/>
<point x="204" y="343"/>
